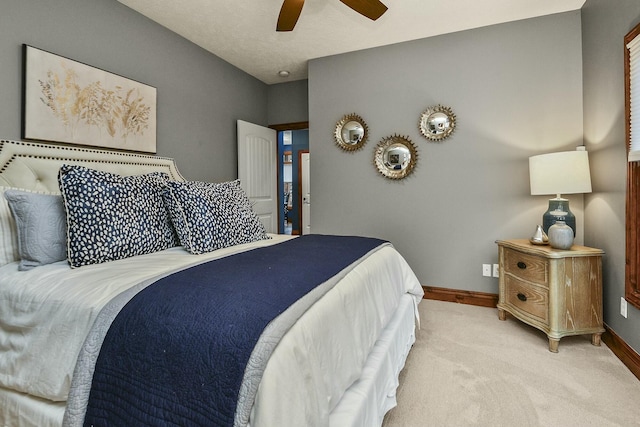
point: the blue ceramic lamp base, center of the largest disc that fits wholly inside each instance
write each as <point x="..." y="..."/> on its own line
<point x="558" y="211"/>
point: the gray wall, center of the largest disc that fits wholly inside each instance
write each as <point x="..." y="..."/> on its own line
<point x="288" y="102"/>
<point x="200" y="97"/>
<point x="517" y="91"/>
<point x="603" y="31"/>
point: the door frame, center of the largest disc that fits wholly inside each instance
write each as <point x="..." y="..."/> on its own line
<point x="300" y="195"/>
<point x="281" y="127"/>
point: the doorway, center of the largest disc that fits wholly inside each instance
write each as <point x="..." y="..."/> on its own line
<point x="293" y="139"/>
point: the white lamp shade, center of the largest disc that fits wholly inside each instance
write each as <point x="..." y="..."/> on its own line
<point x="566" y="172"/>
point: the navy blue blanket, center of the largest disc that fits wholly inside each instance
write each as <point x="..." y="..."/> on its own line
<point x="176" y="353"/>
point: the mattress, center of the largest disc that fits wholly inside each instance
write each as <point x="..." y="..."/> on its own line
<point x="364" y="404"/>
<point x="53" y="304"/>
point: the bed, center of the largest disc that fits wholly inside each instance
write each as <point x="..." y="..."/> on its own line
<point x="329" y="356"/>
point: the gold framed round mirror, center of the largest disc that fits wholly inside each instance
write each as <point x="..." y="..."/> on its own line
<point x="395" y="157"/>
<point x="351" y="132"/>
<point x="437" y="123"/>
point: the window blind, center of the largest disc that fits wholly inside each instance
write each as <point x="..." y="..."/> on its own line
<point x="634" y="99"/>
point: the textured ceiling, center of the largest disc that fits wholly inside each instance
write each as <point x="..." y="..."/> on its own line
<point x="243" y="32"/>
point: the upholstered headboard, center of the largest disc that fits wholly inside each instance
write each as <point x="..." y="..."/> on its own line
<point x="34" y="166"/>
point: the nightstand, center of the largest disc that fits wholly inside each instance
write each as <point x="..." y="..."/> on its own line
<point x="557" y="291"/>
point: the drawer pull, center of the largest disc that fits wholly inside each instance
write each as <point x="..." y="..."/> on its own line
<point x="522" y="297"/>
<point x="521" y="265"/>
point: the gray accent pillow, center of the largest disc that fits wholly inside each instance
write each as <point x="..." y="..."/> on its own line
<point x="41" y="224"/>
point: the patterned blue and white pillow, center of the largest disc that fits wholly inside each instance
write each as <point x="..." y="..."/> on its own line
<point x="210" y="216"/>
<point x="111" y="217"/>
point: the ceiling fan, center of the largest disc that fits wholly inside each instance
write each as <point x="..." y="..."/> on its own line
<point x="290" y="11"/>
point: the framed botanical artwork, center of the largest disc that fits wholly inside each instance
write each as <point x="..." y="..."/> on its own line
<point x="71" y="102"/>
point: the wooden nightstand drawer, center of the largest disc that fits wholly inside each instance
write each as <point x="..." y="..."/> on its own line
<point x="526" y="267"/>
<point x="531" y="299"/>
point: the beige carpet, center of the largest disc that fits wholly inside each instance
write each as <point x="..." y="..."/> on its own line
<point x="467" y="368"/>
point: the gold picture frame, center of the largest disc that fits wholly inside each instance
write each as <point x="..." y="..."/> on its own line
<point x="71" y="102"/>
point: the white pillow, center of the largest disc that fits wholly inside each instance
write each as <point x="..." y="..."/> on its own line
<point x="8" y="232"/>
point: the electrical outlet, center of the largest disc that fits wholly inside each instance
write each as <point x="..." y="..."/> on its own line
<point x="623" y="307"/>
<point x="486" y="270"/>
<point x="496" y="270"/>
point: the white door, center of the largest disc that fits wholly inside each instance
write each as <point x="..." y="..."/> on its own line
<point x="257" y="156"/>
<point x="306" y="193"/>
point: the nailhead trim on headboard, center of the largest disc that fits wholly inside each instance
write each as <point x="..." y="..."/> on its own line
<point x="55" y="155"/>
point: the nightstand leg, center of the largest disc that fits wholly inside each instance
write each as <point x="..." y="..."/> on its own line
<point x="595" y="339"/>
<point x="502" y="315"/>
<point x="553" y="344"/>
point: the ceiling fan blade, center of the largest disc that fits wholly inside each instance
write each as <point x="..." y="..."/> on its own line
<point x="289" y="14"/>
<point x="372" y="9"/>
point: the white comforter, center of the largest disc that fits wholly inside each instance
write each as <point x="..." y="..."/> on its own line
<point x="45" y="314"/>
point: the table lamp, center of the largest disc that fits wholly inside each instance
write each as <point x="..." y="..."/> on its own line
<point x="565" y="172"/>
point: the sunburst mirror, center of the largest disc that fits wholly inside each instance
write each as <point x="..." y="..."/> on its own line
<point x="351" y="132"/>
<point x="437" y="123"/>
<point x="395" y="157"/>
